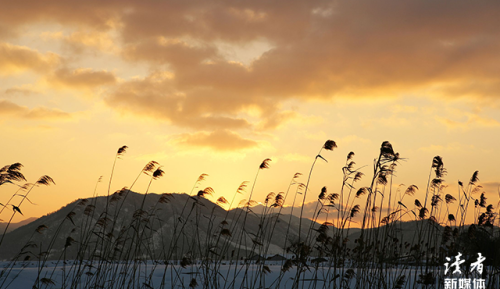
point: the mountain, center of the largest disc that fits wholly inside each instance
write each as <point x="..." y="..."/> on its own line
<point x="178" y="226"/>
<point x="168" y="226"/>
<point x="14" y="226"/>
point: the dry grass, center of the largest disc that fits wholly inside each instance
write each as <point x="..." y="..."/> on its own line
<point x="381" y="255"/>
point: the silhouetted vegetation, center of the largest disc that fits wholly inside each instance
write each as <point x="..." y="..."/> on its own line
<point x="403" y="241"/>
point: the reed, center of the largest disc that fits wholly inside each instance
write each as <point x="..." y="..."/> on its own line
<point x="186" y="240"/>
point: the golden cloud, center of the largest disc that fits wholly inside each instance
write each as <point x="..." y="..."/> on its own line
<point x="91" y="13"/>
<point x="5" y="32"/>
<point x="472" y="120"/>
<point x="13" y="109"/>
<point x="15" y="58"/>
<point x="174" y="52"/>
<point x="328" y="54"/>
<point x="83" y="40"/>
<point x="156" y="96"/>
<point x="8" y="107"/>
<point x="492" y="187"/>
<point x="82" y="78"/>
<point x="319" y="51"/>
<point x="23" y="91"/>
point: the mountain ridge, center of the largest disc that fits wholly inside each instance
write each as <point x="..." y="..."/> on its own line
<point x="190" y="219"/>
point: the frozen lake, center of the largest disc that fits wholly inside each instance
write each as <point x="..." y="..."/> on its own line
<point x="157" y="275"/>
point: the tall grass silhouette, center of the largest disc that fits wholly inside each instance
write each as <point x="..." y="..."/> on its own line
<point x="130" y="240"/>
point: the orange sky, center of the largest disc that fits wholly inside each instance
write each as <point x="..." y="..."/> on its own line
<point x="216" y="87"/>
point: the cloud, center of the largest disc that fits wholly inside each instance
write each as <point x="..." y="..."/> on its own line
<point x="20" y="91"/>
<point x="314" y="51"/>
<point x="156" y="96"/>
<point x="95" y="14"/>
<point x="177" y="53"/>
<point x="275" y="119"/>
<point x="11" y="109"/>
<point x="82" y="77"/>
<point x="210" y="20"/>
<point x="491" y="187"/>
<point x="15" y="59"/>
<point x="46" y="113"/>
<point x="219" y="140"/>
<point x="321" y="50"/>
<point x="472" y="88"/>
<point x="5" y="32"/>
<point x="472" y="120"/>
<point x="162" y="96"/>
<point x="343" y="53"/>
<point x="354" y="58"/>
<point x="85" y="40"/>
<point x="7" y="107"/>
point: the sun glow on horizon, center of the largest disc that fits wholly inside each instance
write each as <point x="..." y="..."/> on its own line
<point x="230" y="85"/>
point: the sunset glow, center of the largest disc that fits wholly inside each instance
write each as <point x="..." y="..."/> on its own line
<point x="216" y="87"/>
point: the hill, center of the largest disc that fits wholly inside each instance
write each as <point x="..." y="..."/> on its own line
<point x="178" y="226"/>
<point x="14" y="226"/>
<point x="169" y="223"/>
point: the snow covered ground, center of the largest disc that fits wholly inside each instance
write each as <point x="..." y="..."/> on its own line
<point x="150" y="275"/>
<point x="155" y="275"/>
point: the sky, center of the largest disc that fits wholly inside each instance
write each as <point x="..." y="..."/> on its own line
<point x="216" y="87"/>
